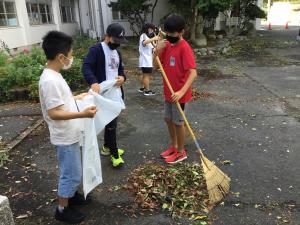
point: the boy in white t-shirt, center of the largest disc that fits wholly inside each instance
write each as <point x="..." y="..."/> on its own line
<point x="146" y="59"/>
<point x="61" y="114"/>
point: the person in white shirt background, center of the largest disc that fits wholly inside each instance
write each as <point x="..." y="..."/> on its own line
<point x="146" y="46"/>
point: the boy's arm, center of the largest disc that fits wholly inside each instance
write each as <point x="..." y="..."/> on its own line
<point x="89" y="63"/>
<point x="189" y="64"/>
<point x="157" y="51"/>
<point x="179" y="94"/>
<point x="58" y="114"/>
<point x="148" y="41"/>
<point x="81" y="96"/>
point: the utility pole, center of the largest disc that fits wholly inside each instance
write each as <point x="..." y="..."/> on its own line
<point x="269" y="9"/>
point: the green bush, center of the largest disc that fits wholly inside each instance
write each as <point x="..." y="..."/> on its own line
<point x="21" y="72"/>
<point x="3" y="58"/>
<point x="24" y="70"/>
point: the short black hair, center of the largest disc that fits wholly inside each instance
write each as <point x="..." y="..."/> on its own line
<point x="55" y="42"/>
<point x="174" y="23"/>
<point x="147" y="26"/>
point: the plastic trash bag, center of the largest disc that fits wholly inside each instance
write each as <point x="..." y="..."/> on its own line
<point x="91" y="163"/>
<point x="109" y="104"/>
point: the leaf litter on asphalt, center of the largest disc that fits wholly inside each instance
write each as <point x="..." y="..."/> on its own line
<point x="179" y="189"/>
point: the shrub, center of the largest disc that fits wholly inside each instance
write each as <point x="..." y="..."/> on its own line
<point x="3" y="58"/>
<point x="24" y="70"/>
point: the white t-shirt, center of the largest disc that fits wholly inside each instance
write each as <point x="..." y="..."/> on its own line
<point x="146" y="58"/>
<point x="112" y="62"/>
<point x="54" y="91"/>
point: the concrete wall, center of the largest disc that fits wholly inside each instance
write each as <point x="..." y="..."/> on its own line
<point x="6" y="217"/>
<point x="26" y="35"/>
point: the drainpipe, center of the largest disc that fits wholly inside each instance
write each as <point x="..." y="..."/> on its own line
<point x="101" y="19"/>
<point x="79" y="17"/>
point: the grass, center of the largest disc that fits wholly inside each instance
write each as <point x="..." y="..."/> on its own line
<point x="3" y="154"/>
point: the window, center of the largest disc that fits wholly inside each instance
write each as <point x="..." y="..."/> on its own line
<point x="39" y="12"/>
<point x="116" y="14"/>
<point x="8" y="14"/>
<point x="67" y="11"/>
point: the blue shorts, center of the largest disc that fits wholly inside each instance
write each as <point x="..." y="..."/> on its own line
<point x="70" y="169"/>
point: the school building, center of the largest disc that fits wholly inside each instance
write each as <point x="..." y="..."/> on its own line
<point x="23" y="23"/>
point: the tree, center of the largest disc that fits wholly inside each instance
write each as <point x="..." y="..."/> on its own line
<point x="136" y="12"/>
<point x="246" y="11"/>
<point x="198" y="11"/>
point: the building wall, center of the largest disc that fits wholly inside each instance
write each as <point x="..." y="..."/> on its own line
<point x="26" y="35"/>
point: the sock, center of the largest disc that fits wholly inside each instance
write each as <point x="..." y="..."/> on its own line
<point x="61" y="208"/>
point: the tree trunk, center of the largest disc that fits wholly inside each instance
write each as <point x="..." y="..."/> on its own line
<point x="200" y="22"/>
<point x="200" y="40"/>
<point x="152" y="10"/>
<point x="193" y="21"/>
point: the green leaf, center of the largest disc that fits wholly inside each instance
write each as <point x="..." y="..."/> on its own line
<point x="165" y="206"/>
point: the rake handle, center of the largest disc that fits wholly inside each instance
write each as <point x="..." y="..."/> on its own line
<point x="179" y="107"/>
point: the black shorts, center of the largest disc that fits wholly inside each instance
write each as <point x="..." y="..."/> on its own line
<point x="146" y="69"/>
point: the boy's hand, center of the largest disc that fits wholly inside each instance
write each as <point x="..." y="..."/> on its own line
<point x="90" y="112"/>
<point x="177" y="96"/>
<point x="120" y="81"/>
<point x="96" y="87"/>
<point x="160" y="45"/>
<point x="81" y="96"/>
<point x="156" y="38"/>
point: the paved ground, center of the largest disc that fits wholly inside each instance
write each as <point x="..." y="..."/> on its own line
<point x="252" y="119"/>
<point x="17" y="117"/>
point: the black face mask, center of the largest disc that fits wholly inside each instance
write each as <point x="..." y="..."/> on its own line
<point x="113" y="46"/>
<point x="171" y="39"/>
<point x="151" y="35"/>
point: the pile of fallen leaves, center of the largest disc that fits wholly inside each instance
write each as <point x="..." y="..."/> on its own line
<point x="200" y="95"/>
<point x="180" y="189"/>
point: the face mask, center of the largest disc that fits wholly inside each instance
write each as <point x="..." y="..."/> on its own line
<point x="151" y="35"/>
<point x="66" y="67"/>
<point x="171" y="39"/>
<point x="113" y="46"/>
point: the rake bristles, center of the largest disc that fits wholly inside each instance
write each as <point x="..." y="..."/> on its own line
<point x="218" y="183"/>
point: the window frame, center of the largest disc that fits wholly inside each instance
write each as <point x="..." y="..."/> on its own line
<point x="6" y="19"/>
<point x="121" y="17"/>
<point x="69" y="10"/>
<point x="44" y="11"/>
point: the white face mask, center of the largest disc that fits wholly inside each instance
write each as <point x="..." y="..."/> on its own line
<point x="66" y="67"/>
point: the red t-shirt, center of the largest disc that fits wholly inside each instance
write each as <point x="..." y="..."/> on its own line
<point x="177" y="60"/>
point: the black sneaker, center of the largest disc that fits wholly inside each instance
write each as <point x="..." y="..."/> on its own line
<point x="141" y="90"/>
<point x="78" y="199"/>
<point x="69" y="215"/>
<point x="149" y="93"/>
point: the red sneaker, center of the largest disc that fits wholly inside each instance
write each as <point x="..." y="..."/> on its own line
<point x="176" y="157"/>
<point x="168" y="152"/>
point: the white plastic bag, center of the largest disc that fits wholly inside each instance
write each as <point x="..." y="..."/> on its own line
<point x="109" y="104"/>
<point x="91" y="163"/>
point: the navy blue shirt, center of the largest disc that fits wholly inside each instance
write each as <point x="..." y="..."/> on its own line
<point x="93" y="67"/>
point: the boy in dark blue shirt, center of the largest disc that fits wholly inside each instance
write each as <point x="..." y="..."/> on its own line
<point x="103" y="62"/>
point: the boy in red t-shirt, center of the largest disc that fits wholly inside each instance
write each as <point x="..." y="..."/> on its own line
<point x="178" y="61"/>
